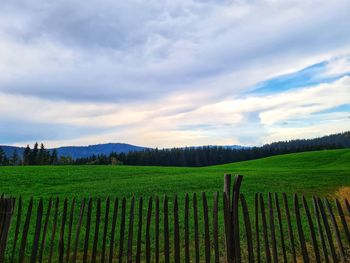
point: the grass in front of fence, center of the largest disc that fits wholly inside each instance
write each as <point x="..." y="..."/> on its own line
<point x="313" y="173"/>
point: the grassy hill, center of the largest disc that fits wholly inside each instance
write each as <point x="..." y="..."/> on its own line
<point x="321" y="173"/>
<point x="311" y="173"/>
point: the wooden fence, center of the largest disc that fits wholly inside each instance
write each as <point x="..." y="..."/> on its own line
<point x="188" y="229"/>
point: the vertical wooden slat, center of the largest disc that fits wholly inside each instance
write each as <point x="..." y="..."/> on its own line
<point x="70" y="225"/>
<point x="206" y="228"/>
<point x="5" y="226"/>
<point x="312" y="230"/>
<point x="87" y="230"/>
<point x="18" y="224"/>
<point x="46" y="224"/>
<point x="156" y="250"/>
<point x="343" y="221"/>
<point x="166" y="230"/>
<point x="257" y="233"/>
<point x="248" y="229"/>
<point x="347" y="206"/>
<point x="25" y="232"/>
<point x="195" y="221"/>
<point x="35" y="246"/>
<point x="227" y="185"/>
<point x="105" y="229"/>
<point x="227" y="224"/>
<point x="187" y="231"/>
<point x="97" y="229"/>
<point x="279" y="216"/>
<point x="264" y="228"/>
<point x="176" y="231"/>
<point x="272" y="229"/>
<point x="290" y="229"/>
<point x="304" y="252"/>
<point x="54" y="228"/>
<point x="63" y="225"/>
<point x="336" y="231"/>
<point x="216" y="227"/>
<point x="327" y="229"/>
<point x="139" y="233"/>
<point x="131" y="230"/>
<point x="114" y="222"/>
<point x="148" y="226"/>
<point x="77" y="233"/>
<point x="235" y="219"/>
<point x="320" y="230"/>
<point x="122" y="232"/>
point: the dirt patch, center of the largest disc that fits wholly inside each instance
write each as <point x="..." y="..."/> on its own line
<point x="343" y="193"/>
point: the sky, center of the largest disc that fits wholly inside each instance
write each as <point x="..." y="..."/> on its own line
<point x="173" y="73"/>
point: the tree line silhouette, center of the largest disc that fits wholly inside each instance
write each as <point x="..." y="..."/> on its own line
<point x="189" y="156"/>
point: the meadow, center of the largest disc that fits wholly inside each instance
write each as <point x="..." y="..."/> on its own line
<point x="321" y="173"/>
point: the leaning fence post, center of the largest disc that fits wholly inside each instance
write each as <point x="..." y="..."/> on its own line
<point x="227" y="185"/>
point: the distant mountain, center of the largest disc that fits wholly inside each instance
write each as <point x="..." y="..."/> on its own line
<point x="82" y="151"/>
<point x="106" y="149"/>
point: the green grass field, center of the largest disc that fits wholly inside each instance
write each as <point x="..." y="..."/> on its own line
<point x="319" y="173"/>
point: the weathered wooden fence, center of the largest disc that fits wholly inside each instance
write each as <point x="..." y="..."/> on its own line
<point x="188" y="229"/>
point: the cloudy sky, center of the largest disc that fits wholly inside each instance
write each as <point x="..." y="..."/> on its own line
<point x="173" y="73"/>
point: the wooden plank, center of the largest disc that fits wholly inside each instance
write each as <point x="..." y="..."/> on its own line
<point x="22" y="248"/>
<point x="347" y="206"/>
<point x="87" y="231"/>
<point x="77" y="233"/>
<point x="343" y="221"/>
<point x="187" y="231"/>
<point x="196" y="233"/>
<point x="272" y="229"/>
<point x="114" y="222"/>
<point x="105" y="229"/>
<point x="176" y="231"/>
<point x="131" y="230"/>
<point x="18" y="224"/>
<point x="97" y="229"/>
<point x="54" y="228"/>
<point x="248" y="229"/>
<point x="320" y="230"/>
<point x="327" y="229"/>
<point x="336" y="230"/>
<point x="279" y="217"/>
<point x="257" y="233"/>
<point x="166" y="230"/>
<point x="227" y="185"/>
<point x="206" y="228"/>
<point x="227" y="224"/>
<point x="156" y="249"/>
<point x="304" y="252"/>
<point x="235" y="218"/>
<point x="139" y="233"/>
<point x="35" y="246"/>
<point x="312" y="230"/>
<point x="8" y="212"/>
<point x="46" y="224"/>
<point x="70" y="226"/>
<point x="63" y="224"/>
<point x="216" y="227"/>
<point x="148" y="226"/>
<point x="290" y="229"/>
<point x="264" y="228"/>
<point x="122" y="231"/>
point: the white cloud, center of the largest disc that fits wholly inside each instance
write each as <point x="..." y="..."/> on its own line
<point x="169" y="73"/>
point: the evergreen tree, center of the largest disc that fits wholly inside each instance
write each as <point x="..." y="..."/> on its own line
<point x="15" y="160"/>
<point x="2" y="157"/>
<point x="27" y="156"/>
<point x="54" y="157"/>
<point x="34" y="154"/>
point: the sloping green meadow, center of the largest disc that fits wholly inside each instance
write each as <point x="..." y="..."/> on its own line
<point x="319" y="173"/>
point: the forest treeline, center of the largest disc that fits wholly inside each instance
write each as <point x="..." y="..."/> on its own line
<point x="190" y="156"/>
